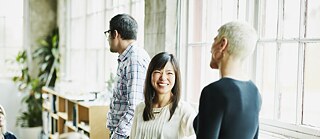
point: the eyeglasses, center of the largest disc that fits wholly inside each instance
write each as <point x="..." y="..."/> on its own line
<point x="106" y="33"/>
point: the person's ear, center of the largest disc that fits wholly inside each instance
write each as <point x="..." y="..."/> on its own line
<point x="116" y="34"/>
<point x="223" y="43"/>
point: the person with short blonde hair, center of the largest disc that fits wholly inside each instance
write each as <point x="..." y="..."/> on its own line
<point x="229" y="108"/>
<point x="4" y="134"/>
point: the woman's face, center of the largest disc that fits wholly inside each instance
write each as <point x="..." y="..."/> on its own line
<point x="163" y="80"/>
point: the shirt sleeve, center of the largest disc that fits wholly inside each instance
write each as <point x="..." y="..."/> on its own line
<point x="136" y="73"/>
<point x="187" y="120"/>
<point x="211" y="109"/>
<point x="135" y="120"/>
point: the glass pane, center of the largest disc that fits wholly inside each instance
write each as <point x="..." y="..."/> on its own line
<point x="213" y="20"/>
<point x="291" y="19"/>
<point x="136" y="14"/>
<point x="78" y="33"/>
<point x="195" y="21"/>
<point x="2" y="31"/>
<point x="313" y="21"/>
<point x="287" y="81"/>
<point x="199" y="72"/>
<point x="95" y="28"/>
<point x="77" y="8"/>
<point x="311" y="103"/>
<point x="94" y="70"/>
<point x="2" y="62"/>
<point x="266" y="71"/>
<point x="14" y="31"/>
<point x="12" y="8"/>
<point x="95" y="6"/>
<point x="229" y="10"/>
<point x="110" y="63"/>
<point x="77" y="66"/>
<point x="11" y="69"/>
<point x="268" y="21"/>
<point x="2" y="9"/>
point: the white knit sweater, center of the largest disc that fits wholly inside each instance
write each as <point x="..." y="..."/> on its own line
<point x="178" y="127"/>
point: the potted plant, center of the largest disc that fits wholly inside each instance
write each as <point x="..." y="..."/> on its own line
<point x="47" y="56"/>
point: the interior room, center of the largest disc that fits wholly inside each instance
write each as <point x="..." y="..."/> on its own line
<point x="57" y="71"/>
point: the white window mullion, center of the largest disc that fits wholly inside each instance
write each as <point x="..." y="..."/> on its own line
<point x="300" y="94"/>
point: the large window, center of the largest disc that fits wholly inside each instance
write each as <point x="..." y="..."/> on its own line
<point x="287" y="65"/>
<point x="11" y="35"/>
<point x="200" y="20"/>
<point x="284" y="66"/>
<point x="88" y="61"/>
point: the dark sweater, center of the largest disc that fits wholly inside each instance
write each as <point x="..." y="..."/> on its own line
<point x="9" y="135"/>
<point x="228" y="109"/>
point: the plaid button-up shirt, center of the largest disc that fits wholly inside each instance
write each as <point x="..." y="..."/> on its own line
<point x="128" y="90"/>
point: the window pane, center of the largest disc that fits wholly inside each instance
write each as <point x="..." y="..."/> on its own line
<point x="195" y="21"/>
<point x="95" y="6"/>
<point x="229" y="10"/>
<point x="11" y="8"/>
<point x="291" y="19"/>
<point x="95" y="28"/>
<point x="213" y="20"/>
<point x="77" y="8"/>
<point x="10" y="69"/>
<point x="311" y="111"/>
<point x="77" y="65"/>
<point x="94" y="70"/>
<point x="287" y="81"/>
<point x="313" y="21"/>
<point x="266" y="71"/>
<point x="14" y="32"/>
<point x="268" y="21"/>
<point x="2" y="31"/>
<point x="78" y="33"/>
<point x="199" y="72"/>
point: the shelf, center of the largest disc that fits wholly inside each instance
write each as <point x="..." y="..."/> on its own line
<point x="55" y="116"/>
<point x="70" y="125"/>
<point x="84" y="127"/>
<point x="54" y="136"/>
<point x="66" y="114"/>
<point x="63" y="115"/>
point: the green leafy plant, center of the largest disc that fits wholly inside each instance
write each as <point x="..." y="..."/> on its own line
<point x="47" y="56"/>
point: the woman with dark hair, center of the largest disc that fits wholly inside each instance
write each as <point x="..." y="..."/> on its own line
<point x="162" y="115"/>
<point x="4" y="134"/>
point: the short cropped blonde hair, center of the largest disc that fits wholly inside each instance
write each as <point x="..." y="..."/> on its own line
<point x="242" y="38"/>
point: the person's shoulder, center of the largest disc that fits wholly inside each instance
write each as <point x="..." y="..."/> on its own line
<point x="9" y="135"/>
<point x="140" y="106"/>
<point x="139" y="55"/>
<point x="221" y="83"/>
<point x="139" y="52"/>
<point x="214" y="89"/>
<point x="185" y="107"/>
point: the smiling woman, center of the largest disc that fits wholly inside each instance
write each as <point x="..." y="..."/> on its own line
<point x="163" y="115"/>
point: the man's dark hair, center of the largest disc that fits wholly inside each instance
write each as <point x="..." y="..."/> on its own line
<point x="126" y="26"/>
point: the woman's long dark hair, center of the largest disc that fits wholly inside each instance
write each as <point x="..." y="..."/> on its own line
<point x="158" y="62"/>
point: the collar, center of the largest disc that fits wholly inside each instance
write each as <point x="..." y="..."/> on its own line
<point x="125" y="54"/>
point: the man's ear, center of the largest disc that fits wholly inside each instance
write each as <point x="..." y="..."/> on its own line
<point x="116" y="34"/>
<point x="223" y="43"/>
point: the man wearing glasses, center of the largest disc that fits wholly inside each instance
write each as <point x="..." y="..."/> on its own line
<point x="133" y="62"/>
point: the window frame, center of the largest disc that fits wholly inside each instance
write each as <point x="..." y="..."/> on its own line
<point x="266" y="125"/>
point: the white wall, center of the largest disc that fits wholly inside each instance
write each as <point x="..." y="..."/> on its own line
<point x="10" y="100"/>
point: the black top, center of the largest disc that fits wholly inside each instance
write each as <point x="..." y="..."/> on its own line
<point x="228" y="109"/>
<point x="9" y="135"/>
